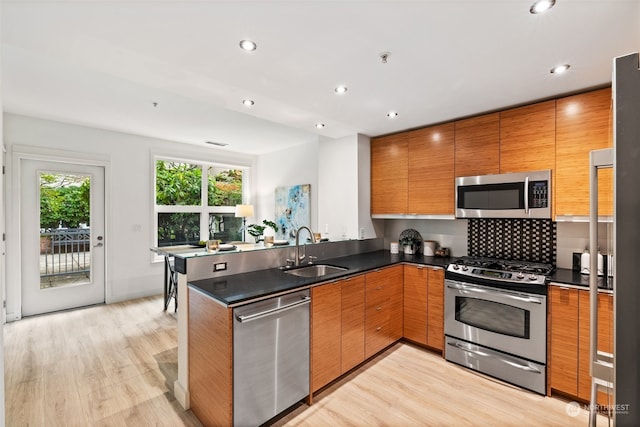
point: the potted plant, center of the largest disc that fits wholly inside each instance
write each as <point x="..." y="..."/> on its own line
<point x="410" y="244"/>
<point x="257" y="230"/>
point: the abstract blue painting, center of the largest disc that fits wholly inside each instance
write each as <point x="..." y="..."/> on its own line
<point x="292" y="210"/>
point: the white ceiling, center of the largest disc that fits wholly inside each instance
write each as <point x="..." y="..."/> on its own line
<point x="103" y="63"/>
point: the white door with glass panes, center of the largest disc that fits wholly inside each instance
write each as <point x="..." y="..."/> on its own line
<point x="61" y="236"/>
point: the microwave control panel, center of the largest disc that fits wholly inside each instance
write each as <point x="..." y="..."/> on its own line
<point x="538" y="194"/>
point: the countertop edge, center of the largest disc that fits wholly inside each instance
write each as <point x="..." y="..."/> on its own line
<point x="292" y="283"/>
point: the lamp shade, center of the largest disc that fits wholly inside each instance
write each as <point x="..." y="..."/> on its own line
<point x="244" y="211"/>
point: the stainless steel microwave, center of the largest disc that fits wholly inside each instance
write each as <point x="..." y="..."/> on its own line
<point x="509" y="195"/>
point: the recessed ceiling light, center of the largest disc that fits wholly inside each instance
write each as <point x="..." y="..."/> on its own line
<point x="340" y="89"/>
<point x="541" y="6"/>
<point x="248" y="102"/>
<point x="392" y="114"/>
<point x="319" y="125"/>
<point x="248" y="45"/>
<point x="559" y="69"/>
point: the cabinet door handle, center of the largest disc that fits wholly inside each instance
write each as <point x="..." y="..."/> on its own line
<point x="378" y="308"/>
<point x="379" y="328"/>
<point x="378" y="288"/>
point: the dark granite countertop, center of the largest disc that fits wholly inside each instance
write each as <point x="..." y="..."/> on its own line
<point x="572" y="277"/>
<point x="240" y="288"/>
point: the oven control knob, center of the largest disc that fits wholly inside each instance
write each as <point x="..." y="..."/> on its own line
<point x="520" y="275"/>
<point x="455" y="267"/>
<point x="465" y="268"/>
<point x="533" y="277"/>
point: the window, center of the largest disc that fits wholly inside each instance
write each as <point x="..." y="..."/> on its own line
<point x="191" y="206"/>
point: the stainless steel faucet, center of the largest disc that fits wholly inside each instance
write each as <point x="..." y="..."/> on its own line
<point x="313" y="239"/>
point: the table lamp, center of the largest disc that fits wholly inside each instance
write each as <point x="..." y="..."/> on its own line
<point x="243" y="211"/>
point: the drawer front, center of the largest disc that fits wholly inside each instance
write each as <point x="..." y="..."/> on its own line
<point x="376" y="338"/>
<point x="372" y="302"/>
<point x="378" y="314"/>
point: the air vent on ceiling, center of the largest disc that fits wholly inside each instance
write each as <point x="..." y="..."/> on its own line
<point x="219" y="144"/>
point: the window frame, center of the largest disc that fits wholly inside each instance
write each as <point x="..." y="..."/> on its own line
<point x="203" y="209"/>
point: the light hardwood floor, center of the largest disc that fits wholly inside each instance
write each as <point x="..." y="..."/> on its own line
<point x="115" y="365"/>
<point x="409" y="386"/>
<point x="111" y="365"/>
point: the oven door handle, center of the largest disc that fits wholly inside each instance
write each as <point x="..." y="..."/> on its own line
<point x="502" y="358"/>
<point x="504" y="294"/>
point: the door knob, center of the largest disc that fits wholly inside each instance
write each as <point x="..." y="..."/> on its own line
<point x="99" y="245"/>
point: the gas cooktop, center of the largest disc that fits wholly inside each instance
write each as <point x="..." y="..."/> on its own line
<point x="506" y="265"/>
<point x="499" y="272"/>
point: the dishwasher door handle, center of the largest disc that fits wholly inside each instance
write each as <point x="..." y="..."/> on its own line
<point x="272" y="311"/>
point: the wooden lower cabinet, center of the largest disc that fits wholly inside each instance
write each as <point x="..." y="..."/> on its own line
<point x="352" y="336"/>
<point x="337" y="329"/>
<point x="435" y="309"/>
<point x="210" y="338"/>
<point x="416" y="278"/>
<point x="383" y="309"/>
<point x="605" y="341"/>
<point x="563" y="341"/>
<point x="423" y="305"/>
<point x="326" y="326"/>
<point x="569" y="340"/>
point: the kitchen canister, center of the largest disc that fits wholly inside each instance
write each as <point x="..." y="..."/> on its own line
<point x="394" y="247"/>
<point x="429" y="247"/>
<point x="585" y="259"/>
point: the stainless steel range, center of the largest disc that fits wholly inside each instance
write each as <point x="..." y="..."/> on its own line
<point x="496" y="319"/>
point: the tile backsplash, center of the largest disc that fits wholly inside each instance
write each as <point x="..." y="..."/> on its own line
<point x="532" y="240"/>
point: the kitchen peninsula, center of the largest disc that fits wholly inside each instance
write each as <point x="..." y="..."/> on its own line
<point x="206" y="330"/>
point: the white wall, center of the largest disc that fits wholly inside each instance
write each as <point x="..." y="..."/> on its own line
<point x="344" y="180"/>
<point x="2" y="265"/>
<point x="450" y="234"/>
<point x="371" y="228"/>
<point x="574" y="237"/>
<point x="338" y="192"/>
<point x="292" y="166"/>
<point x="129" y="216"/>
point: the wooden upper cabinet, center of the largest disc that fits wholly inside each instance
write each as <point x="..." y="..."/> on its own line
<point x="431" y="170"/>
<point x="477" y="145"/>
<point x="583" y="123"/>
<point x="528" y="138"/>
<point x="389" y="173"/>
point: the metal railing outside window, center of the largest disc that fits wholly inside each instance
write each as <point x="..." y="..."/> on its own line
<point x="65" y="252"/>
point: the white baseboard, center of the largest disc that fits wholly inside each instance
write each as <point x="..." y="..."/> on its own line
<point x="181" y="395"/>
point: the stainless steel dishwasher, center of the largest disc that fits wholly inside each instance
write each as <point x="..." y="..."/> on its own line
<point x="270" y="357"/>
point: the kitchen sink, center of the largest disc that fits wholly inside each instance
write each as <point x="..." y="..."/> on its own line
<point x="315" y="270"/>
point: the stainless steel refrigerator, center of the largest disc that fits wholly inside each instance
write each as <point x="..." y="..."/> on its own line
<point x="626" y="230"/>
